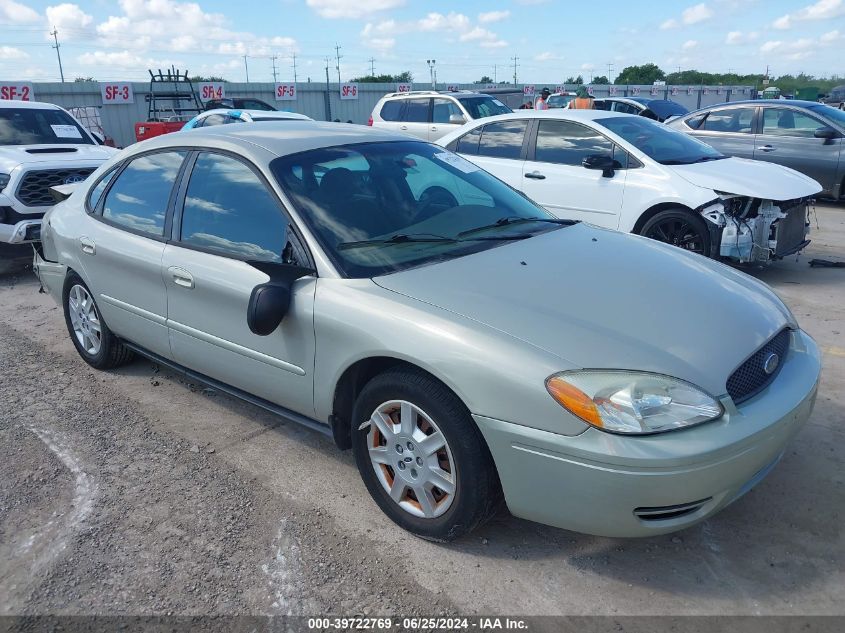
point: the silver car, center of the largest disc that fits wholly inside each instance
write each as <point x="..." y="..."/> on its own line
<point x="464" y="343"/>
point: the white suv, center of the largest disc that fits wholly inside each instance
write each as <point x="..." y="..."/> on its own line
<point x="429" y="114"/>
<point x="41" y="145"/>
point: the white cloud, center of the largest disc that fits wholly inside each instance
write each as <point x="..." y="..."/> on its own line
<point x="8" y="53"/>
<point x="477" y="34"/>
<point x="493" y="16"/>
<point x="12" y="12"/>
<point x="380" y="43"/>
<point x="689" y="45"/>
<point x="735" y="38"/>
<point x="696" y="14"/>
<point x="771" y="46"/>
<point x="831" y="36"/>
<point x="439" y="22"/>
<point x="546" y="56"/>
<point x="588" y="67"/>
<point x="70" y="20"/>
<point x="671" y="23"/>
<point x="493" y="44"/>
<point x="821" y="10"/>
<point x="112" y="58"/>
<point x="335" y="9"/>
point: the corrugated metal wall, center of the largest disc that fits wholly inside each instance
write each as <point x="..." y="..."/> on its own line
<point x="119" y="120"/>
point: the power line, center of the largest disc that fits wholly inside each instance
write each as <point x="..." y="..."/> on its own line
<point x="55" y="35"/>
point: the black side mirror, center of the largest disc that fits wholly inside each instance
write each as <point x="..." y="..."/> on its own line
<point x="600" y="162"/>
<point x="270" y="301"/>
<point x="827" y="133"/>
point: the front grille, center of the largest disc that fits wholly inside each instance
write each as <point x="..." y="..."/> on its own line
<point x="790" y="231"/>
<point x="34" y="190"/>
<point x="750" y="377"/>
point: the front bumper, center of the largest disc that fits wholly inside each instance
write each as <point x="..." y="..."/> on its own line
<point x="612" y="485"/>
<point x="21" y="232"/>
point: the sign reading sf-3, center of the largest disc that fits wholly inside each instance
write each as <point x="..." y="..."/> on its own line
<point x="466" y="344"/>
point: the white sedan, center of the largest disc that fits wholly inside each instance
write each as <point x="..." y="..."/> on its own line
<point x="222" y="116"/>
<point x="631" y="174"/>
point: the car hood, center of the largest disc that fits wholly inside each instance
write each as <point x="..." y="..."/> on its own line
<point x="752" y="178"/>
<point x="602" y="299"/>
<point x="13" y="155"/>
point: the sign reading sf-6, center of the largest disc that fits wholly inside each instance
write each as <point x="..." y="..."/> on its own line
<point x="348" y="91"/>
<point x="212" y="90"/>
<point x="286" y="92"/>
<point x="116" y="92"/>
<point x="19" y="91"/>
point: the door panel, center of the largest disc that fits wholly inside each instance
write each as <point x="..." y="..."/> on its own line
<point x="786" y="138"/>
<point x="229" y="215"/>
<point x="557" y="180"/>
<point x="416" y="118"/>
<point x="729" y="130"/>
<point x="122" y="253"/>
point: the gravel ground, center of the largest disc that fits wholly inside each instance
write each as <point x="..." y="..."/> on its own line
<point x="137" y="492"/>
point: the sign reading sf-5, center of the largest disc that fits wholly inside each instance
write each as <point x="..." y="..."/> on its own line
<point x="466" y="344"/>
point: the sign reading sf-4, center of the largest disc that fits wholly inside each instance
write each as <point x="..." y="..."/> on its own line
<point x="285" y="92"/>
<point x="116" y="93"/>
<point x="349" y="91"/>
<point x="212" y="90"/>
<point x="19" y="91"/>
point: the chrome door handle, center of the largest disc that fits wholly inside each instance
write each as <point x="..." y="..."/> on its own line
<point x="403" y="127"/>
<point x="766" y="148"/>
<point x="536" y="175"/>
<point x="87" y="245"/>
<point x="181" y="277"/>
<point x="433" y="128"/>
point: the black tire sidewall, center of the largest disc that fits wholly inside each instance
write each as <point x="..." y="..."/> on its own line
<point x="471" y="458"/>
<point x="682" y="214"/>
<point x="100" y="359"/>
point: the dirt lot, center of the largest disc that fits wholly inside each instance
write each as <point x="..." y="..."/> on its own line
<point x="136" y="491"/>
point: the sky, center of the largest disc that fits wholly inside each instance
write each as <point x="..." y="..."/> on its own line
<point x="551" y="39"/>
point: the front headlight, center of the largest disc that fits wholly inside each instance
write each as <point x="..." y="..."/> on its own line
<point x="632" y="402"/>
<point x="4" y="180"/>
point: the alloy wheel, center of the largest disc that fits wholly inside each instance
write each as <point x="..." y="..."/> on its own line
<point x="411" y="458"/>
<point x="678" y="232"/>
<point x="84" y="319"/>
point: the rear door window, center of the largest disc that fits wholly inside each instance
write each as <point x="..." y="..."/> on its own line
<point x="568" y="143"/>
<point x="392" y="110"/>
<point x="416" y="111"/>
<point x="502" y="139"/>
<point x="735" y="120"/>
<point x="468" y="143"/>
<point x="788" y="122"/>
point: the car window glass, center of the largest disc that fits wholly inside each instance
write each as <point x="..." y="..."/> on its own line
<point x="416" y="111"/>
<point x="601" y="104"/>
<point x="481" y="107"/>
<point x="138" y="198"/>
<point x="468" y="143"/>
<point x="502" y="139"/>
<point x="786" y="122"/>
<point x="229" y="209"/>
<point x="568" y="143"/>
<point x="443" y="109"/>
<point x="392" y="110"/>
<point x="737" y="120"/>
<point x="216" y="119"/>
<point x="97" y="191"/>
<point x="696" y="121"/>
<point x="252" y="104"/>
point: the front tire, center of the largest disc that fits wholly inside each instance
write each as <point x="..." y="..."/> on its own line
<point x="679" y="227"/>
<point x="422" y="457"/>
<point x="90" y="335"/>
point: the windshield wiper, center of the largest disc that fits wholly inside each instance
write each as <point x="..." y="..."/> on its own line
<point x="511" y="220"/>
<point x="700" y="159"/>
<point x="403" y="238"/>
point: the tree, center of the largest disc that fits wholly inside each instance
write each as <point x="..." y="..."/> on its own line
<point x="403" y="77"/>
<point x="200" y="79"/>
<point x="642" y="75"/>
<point x="579" y="80"/>
<point x="484" y="80"/>
<point x="601" y="80"/>
<point x="83" y="79"/>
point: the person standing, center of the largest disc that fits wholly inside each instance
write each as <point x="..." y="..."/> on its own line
<point x="583" y="100"/>
<point x="541" y="104"/>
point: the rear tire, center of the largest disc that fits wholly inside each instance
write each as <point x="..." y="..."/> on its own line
<point x="438" y="495"/>
<point x="679" y="227"/>
<point x="90" y="335"/>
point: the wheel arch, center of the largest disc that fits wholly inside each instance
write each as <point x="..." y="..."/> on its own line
<point x="649" y="213"/>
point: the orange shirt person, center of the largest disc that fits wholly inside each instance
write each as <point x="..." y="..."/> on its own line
<point x="583" y="100"/>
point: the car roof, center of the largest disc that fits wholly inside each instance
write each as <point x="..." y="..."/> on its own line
<point x="270" y="114"/>
<point x="421" y="94"/>
<point x="40" y="105"/>
<point x="554" y="113"/>
<point x="281" y="139"/>
<point x="798" y="103"/>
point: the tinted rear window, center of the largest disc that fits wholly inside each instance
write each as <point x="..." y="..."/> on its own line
<point x="392" y="110"/>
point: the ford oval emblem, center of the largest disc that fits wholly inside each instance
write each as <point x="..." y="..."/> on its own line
<point x="771" y="364"/>
<point x="72" y="180"/>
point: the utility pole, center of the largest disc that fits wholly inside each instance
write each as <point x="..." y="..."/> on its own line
<point x="431" y="72"/>
<point x="246" y="68"/>
<point x="293" y="55"/>
<point x="609" y="71"/>
<point x="494" y="74"/>
<point x="337" y="56"/>
<point x="55" y="35"/>
<point x="328" y="94"/>
<point x="514" y="59"/>
<point x="273" y="59"/>
<point x="372" y="67"/>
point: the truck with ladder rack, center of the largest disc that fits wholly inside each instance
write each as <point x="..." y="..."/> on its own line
<point x="172" y="102"/>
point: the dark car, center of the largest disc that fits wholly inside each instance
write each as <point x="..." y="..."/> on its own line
<point x="804" y="135"/>
<point x="240" y="103"/>
<point x="656" y="109"/>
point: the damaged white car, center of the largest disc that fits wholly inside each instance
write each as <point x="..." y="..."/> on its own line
<point x="632" y="174"/>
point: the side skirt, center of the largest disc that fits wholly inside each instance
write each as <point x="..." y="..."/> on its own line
<point x="285" y="414"/>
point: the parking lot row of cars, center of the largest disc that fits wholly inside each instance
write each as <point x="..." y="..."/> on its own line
<point x="470" y="317"/>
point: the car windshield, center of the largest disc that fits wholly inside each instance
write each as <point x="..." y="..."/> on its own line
<point x="660" y="143"/>
<point x="481" y="107"/>
<point x="377" y="208"/>
<point x="40" y="126"/>
<point x="559" y="101"/>
<point x="837" y="116"/>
